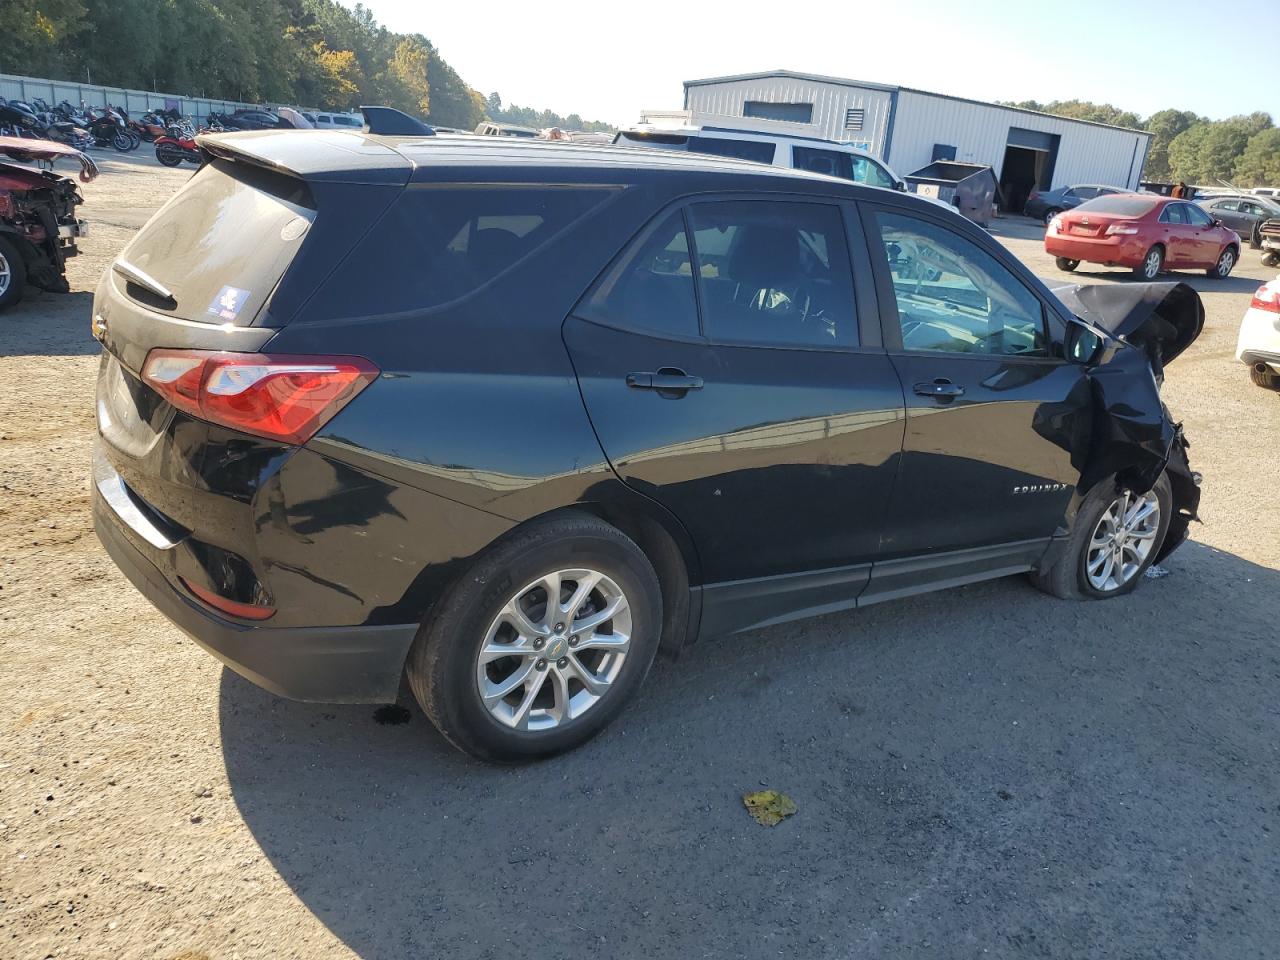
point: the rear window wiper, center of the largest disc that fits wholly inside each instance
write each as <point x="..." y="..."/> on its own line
<point x="144" y="280"/>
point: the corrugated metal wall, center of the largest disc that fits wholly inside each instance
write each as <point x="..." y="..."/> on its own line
<point x="830" y="101"/>
<point x="136" y="102"/>
<point x="980" y="132"/>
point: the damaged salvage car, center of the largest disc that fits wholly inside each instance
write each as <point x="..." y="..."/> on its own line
<point x="38" y="223"/>
<point x="508" y="418"/>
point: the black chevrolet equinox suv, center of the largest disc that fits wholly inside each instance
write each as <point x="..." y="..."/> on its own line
<point x="508" y="418"/>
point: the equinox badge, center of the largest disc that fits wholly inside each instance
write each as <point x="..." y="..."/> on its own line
<point x="1039" y="488"/>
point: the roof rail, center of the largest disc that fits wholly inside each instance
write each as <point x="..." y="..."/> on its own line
<point x="393" y="122"/>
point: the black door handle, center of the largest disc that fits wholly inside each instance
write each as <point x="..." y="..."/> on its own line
<point x="668" y="381"/>
<point x="941" y="388"/>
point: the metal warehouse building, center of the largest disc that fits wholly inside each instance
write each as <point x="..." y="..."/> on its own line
<point x="911" y="128"/>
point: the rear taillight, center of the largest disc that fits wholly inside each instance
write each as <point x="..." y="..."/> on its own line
<point x="1033" y="195"/>
<point x="1266" y="299"/>
<point x="285" y="398"/>
<point x="1057" y="225"/>
<point x="1121" y="229"/>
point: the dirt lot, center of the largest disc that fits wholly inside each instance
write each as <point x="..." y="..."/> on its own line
<point x="985" y="772"/>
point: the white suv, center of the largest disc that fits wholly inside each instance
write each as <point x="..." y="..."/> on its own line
<point x="801" y="153"/>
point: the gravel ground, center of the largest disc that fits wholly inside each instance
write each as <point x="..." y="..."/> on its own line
<point x="984" y="772"/>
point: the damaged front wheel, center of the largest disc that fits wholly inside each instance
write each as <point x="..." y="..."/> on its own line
<point x="1116" y="537"/>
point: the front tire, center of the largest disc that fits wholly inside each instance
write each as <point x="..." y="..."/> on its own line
<point x="13" y="274"/>
<point x="1050" y="214"/>
<point x="506" y="676"/>
<point x="1066" y="263"/>
<point x="1115" y="538"/>
<point x="1152" y="265"/>
<point x="1222" y="269"/>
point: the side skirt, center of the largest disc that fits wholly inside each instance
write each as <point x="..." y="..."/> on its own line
<point x="738" y="605"/>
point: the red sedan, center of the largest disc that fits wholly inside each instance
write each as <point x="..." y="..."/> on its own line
<point x="1144" y="232"/>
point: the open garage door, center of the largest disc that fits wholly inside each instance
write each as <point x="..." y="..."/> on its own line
<point x="1029" y="158"/>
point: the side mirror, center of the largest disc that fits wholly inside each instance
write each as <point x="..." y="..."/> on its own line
<point x="1083" y="345"/>
<point x="901" y="186"/>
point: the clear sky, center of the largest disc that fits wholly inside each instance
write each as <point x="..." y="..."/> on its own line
<point x="607" y="61"/>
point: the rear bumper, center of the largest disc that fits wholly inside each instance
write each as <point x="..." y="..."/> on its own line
<point x="324" y="664"/>
<point x="1125" y="252"/>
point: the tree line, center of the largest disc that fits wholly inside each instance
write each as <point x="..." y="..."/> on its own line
<point x="314" y="53"/>
<point x="1244" y="150"/>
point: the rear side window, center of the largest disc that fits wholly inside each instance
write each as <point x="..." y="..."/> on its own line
<point x="1173" y="213"/>
<point x="222" y="243"/>
<point x="756" y="150"/>
<point x="831" y="162"/>
<point x="650" y="287"/>
<point x="773" y="273"/>
<point x="439" y="244"/>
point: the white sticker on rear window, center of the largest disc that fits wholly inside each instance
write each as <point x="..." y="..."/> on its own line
<point x="227" y="304"/>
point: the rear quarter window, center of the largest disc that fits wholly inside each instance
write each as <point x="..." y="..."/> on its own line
<point x="439" y="244"/>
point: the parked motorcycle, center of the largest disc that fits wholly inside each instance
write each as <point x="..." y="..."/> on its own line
<point x="108" y="129"/>
<point x="17" y="119"/>
<point x="149" y="127"/>
<point x="171" y="150"/>
<point x="51" y="127"/>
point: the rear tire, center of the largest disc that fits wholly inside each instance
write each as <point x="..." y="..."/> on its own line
<point x="1152" y="265"/>
<point x="1271" y="260"/>
<point x="167" y="155"/>
<point x="456" y="679"/>
<point x="1066" y="263"/>
<point x="1264" y="376"/>
<point x="1050" y="214"/>
<point x="13" y="274"/>
<point x="1226" y="262"/>
<point x="1074" y="575"/>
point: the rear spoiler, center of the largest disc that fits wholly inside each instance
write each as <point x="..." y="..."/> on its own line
<point x="312" y="155"/>
<point x="389" y="121"/>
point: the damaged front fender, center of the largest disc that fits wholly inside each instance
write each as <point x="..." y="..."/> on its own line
<point x="1131" y="435"/>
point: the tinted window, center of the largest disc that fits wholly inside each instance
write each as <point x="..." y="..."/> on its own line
<point x="1198" y="217"/>
<point x="831" y="162"/>
<point x="1227" y="205"/>
<point x="1174" y="213"/>
<point x="773" y="273"/>
<point x="954" y="296"/>
<point x="1251" y="208"/>
<point x="1120" y="205"/>
<point x="223" y="242"/>
<point x="755" y="150"/>
<point x="438" y="244"/>
<point x="1084" y="193"/>
<point x="651" y="284"/>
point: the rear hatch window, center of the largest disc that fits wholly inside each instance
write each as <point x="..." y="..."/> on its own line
<point x="221" y="244"/>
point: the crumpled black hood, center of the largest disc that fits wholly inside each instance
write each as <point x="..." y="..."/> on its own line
<point x="1115" y="423"/>
<point x="1162" y="319"/>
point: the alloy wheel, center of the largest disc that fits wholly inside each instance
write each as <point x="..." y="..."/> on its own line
<point x="1123" y="539"/>
<point x="554" y="650"/>
<point x="1151" y="266"/>
<point x="1226" y="262"/>
<point x="6" y="275"/>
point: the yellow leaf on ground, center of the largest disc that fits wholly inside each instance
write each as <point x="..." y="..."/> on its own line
<point x="768" y="807"/>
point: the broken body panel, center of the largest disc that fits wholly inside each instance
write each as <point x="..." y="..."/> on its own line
<point x="1132" y="435"/>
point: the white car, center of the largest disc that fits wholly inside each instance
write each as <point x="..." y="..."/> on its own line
<point x="1259" y="343"/>
<point x="780" y="150"/>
